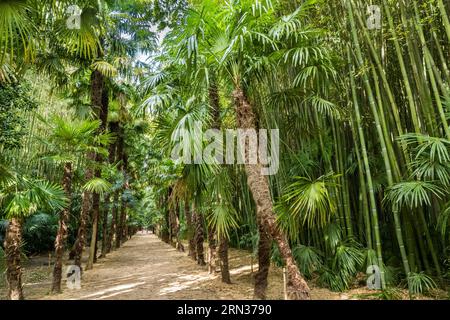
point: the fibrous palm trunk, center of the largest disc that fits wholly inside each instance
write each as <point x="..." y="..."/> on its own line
<point x="61" y="237"/>
<point x="13" y="239"/>
<point x="199" y="236"/>
<point x="85" y="207"/>
<point x="264" y="247"/>
<point x="259" y="187"/>
<point x="103" y="115"/>
<point x="212" y="249"/>
<point x="97" y="86"/>
<point x="223" y="260"/>
<point x="190" y="231"/>
<point x="121" y="217"/>
<point x="178" y="245"/>
<point x="95" y="214"/>
<point x="105" y="226"/>
<point x="112" y="230"/>
<point x="215" y="114"/>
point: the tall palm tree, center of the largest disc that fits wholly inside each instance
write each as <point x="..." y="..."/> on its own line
<point x="67" y="142"/>
<point x="20" y="197"/>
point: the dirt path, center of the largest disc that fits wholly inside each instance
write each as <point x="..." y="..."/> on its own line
<point x="146" y="268"/>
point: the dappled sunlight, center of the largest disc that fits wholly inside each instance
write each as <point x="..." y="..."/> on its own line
<point x="114" y="294"/>
<point x="191" y="280"/>
<point x="116" y="288"/>
<point x="244" y="269"/>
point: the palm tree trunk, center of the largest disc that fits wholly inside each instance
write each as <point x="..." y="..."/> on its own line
<point x="121" y="226"/>
<point x="179" y="246"/>
<point x="199" y="236"/>
<point x="13" y="239"/>
<point x="212" y="249"/>
<point x="214" y="101"/>
<point x="264" y="246"/>
<point x="95" y="214"/>
<point x="103" y="116"/>
<point x="112" y="230"/>
<point x="223" y="259"/>
<point x="61" y="237"/>
<point x="85" y="207"/>
<point x="259" y="187"/>
<point x="97" y="85"/>
<point x="105" y="226"/>
<point x="190" y="231"/>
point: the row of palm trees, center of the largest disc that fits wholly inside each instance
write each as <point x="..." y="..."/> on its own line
<point x="363" y="118"/>
<point x="83" y="146"/>
<point x="362" y="113"/>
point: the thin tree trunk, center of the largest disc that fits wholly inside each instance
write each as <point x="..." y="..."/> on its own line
<point x="120" y="220"/>
<point x="97" y="85"/>
<point x="121" y="225"/>
<point x="179" y="245"/>
<point x="112" y="230"/>
<point x="103" y="116"/>
<point x="61" y="237"/>
<point x="190" y="231"/>
<point x="105" y="226"/>
<point x="212" y="249"/>
<point x="223" y="259"/>
<point x="199" y="236"/>
<point x="264" y="247"/>
<point x="95" y="214"/>
<point x="13" y="239"/>
<point x="259" y="187"/>
<point x="215" y="114"/>
<point x="81" y="236"/>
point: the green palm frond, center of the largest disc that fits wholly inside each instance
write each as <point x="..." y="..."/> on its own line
<point x="84" y="42"/>
<point x="7" y="72"/>
<point x="292" y="25"/>
<point x="420" y="283"/>
<point x="105" y="68"/>
<point x="332" y="236"/>
<point x="25" y="196"/>
<point x="17" y="31"/>
<point x="324" y="106"/>
<point x="309" y="259"/>
<point x="224" y="218"/>
<point x="429" y="170"/>
<point x="444" y="220"/>
<point x="413" y="194"/>
<point x="438" y="149"/>
<point x="98" y="185"/>
<point x="348" y="258"/>
<point x="311" y="199"/>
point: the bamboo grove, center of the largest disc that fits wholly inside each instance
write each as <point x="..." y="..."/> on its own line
<point x="359" y="91"/>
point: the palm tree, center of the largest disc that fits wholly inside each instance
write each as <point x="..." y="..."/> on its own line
<point x="67" y="141"/>
<point x="244" y="42"/>
<point x="20" y="197"/>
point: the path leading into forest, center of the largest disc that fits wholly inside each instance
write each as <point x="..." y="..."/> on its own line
<point x="147" y="268"/>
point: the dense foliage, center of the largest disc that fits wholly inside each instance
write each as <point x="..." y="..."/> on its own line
<point x="362" y="107"/>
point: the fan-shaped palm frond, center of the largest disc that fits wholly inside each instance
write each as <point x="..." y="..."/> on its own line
<point x="420" y="283"/>
<point x="438" y="149"/>
<point x="17" y="30"/>
<point x="413" y="193"/>
<point x="24" y="197"/>
<point x="309" y="259"/>
<point x="224" y="218"/>
<point x="311" y="199"/>
<point x="105" y="68"/>
<point x="97" y="185"/>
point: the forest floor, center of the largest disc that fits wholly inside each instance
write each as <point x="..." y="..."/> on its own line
<point x="146" y="268"/>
